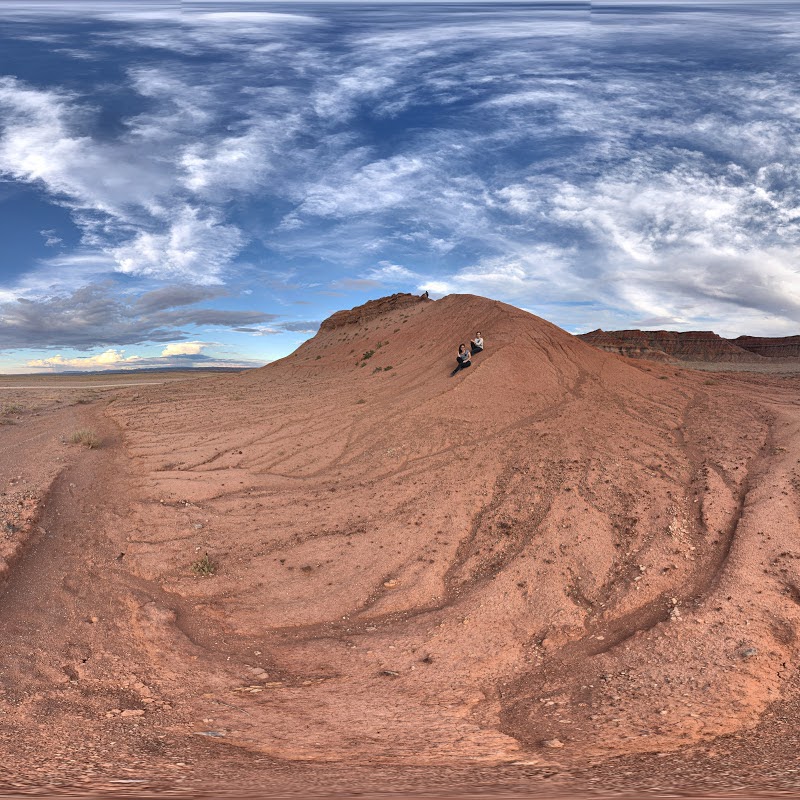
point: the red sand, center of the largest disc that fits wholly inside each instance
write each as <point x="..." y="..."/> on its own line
<point x="553" y="558"/>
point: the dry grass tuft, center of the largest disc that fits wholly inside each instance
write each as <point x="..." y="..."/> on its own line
<point x="87" y="438"/>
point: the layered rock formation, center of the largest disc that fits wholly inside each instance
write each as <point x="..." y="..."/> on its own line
<point x="360" y="315"/>
<point x="770" y="347"/>
<point x="683" y="346"/>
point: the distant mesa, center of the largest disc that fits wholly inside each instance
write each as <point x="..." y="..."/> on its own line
<point x="775" y="347"/>
<point x="693" y="346"/>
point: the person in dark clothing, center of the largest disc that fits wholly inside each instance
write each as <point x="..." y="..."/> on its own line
<point x="476" y="345"/>
<point x="463" y="357"/>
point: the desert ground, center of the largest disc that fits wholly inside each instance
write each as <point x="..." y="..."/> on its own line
<point x="560" y="572"/>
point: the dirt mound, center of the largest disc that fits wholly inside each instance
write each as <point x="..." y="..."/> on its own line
<point x="552" y="544"/>
<point x="684" y="346"/>
<point x="553" y="554"/>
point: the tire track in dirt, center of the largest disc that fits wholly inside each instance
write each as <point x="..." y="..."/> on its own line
<point x="70" y="571"/>
<point x="604" y="636"/>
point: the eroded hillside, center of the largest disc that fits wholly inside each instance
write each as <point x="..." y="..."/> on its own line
<point x="554" y="547"/>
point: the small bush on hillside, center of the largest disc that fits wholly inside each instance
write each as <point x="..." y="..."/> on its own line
<point x="87" y="438"/>
<point x="204" y="567"/>
<point x="368" y="354"/>
<point x="12" y="408"/>
<point x="386" y="369"/>
<point x="360" y="402"/>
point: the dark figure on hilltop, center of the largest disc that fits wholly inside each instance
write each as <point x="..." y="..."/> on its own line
<point x="476" y="345"/>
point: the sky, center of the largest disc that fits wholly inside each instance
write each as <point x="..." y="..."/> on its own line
<point x="201" y="183"/>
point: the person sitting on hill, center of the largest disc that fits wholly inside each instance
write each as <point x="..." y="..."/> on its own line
<point x="463" y="357"/>
<point x="476" y="345"/>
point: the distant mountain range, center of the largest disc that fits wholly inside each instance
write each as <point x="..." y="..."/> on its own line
<point x="74" y="372"/>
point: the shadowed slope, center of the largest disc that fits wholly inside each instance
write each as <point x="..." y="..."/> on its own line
<point x="553" y="544"/>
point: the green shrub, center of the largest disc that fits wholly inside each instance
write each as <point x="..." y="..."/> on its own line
<point x="368" y="354"/>
<point x="204" y="567"/>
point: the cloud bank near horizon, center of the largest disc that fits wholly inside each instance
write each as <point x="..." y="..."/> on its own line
<point x="619" y="169"/>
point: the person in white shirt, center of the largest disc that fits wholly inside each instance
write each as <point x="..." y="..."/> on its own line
<point x="477" y="343"/>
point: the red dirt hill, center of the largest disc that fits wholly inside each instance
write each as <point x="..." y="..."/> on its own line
<point x="554" y="546"/>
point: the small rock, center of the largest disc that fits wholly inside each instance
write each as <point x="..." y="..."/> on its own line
<point x="390" y="584"/>
<point x="748" y="652"/>
<point x="133" y="712"/>
<point x="553" y="743"/>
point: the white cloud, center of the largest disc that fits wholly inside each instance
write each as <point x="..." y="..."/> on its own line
<point x="184" y="349"/>
<point x="194" y="249"/>
<point x="60" y="273"/>
<point x="50" y="238"/>
<point x="118" y="188"/>
<point x="439" y="288"/>
<point x="109" y="359"/>
<point x="357" y="188"/>
<point x="41" y="143"/>
<point x="386" y="272"/>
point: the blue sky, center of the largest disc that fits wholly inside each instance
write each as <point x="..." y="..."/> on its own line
<point x="202" y="183"/>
